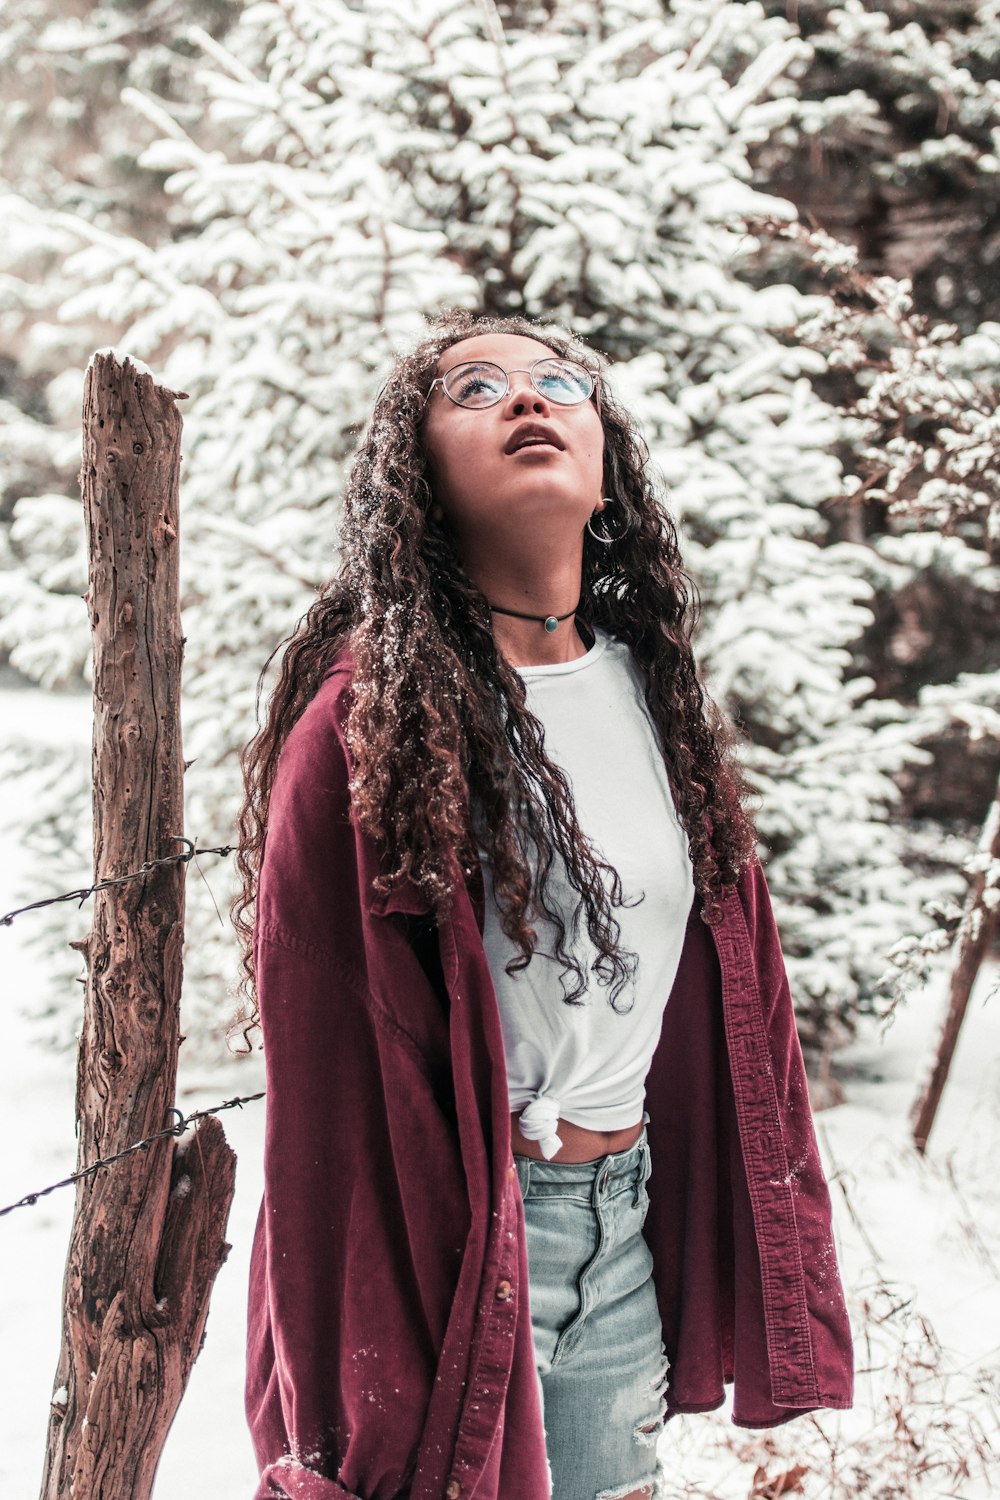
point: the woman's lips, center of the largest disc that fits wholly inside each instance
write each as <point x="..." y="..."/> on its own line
<point x="531" y="434"/>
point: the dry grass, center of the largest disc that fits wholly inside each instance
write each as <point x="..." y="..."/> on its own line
<point x="924" y="1425"/>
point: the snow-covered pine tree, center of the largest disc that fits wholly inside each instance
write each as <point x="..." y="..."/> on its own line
<point x="892" y="144"/>
<point x="582" y="162"/>
<point x="69" y="144"/>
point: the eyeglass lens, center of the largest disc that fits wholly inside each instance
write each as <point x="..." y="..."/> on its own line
<point x="484" y="384"/>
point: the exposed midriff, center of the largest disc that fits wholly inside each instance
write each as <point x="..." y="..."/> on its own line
<point x="578" y="1144"/>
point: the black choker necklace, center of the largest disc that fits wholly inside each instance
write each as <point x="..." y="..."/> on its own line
<point x="549" y="621"/>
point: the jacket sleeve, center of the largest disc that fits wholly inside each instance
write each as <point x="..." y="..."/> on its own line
<point x="364" y="1216"/>
<point x="829" y="1327"/>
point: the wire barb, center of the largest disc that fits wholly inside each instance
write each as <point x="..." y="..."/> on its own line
<point x="95" y="1166"/>
<point x="103" y="885"/>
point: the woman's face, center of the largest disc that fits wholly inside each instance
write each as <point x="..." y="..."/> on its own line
<point x="491" y="486"/>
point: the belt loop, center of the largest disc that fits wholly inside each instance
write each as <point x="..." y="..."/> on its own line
<point x="642" y="1168"/>
<point x="600" y="1181"/>
<point x="523" y="1165"/>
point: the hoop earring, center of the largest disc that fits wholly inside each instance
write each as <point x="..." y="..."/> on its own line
<point x="607" y="540"/>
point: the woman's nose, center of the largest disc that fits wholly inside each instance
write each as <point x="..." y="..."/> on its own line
<point x="523" y="396"/>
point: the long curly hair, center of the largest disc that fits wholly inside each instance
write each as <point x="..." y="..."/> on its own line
<point x="447" y="757"/>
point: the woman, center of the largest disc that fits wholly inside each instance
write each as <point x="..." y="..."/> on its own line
<point x="540" y="1170"/>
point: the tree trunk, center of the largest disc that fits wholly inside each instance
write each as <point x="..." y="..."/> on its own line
<point x="147" y="1236"/>
<point x="974" y="937"/>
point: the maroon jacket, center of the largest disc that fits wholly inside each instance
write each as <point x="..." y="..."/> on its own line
<point x="389" y="1341"/>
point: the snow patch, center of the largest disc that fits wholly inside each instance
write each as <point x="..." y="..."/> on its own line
<point x="124" y="358"/>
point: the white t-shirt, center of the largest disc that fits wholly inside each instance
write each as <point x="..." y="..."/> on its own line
<point x="588" y="1062"/>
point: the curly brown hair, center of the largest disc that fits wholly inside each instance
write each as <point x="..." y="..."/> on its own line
<point x="447" y="757"/>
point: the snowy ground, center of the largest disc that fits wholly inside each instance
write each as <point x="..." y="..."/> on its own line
<point x="919" y="1244"/>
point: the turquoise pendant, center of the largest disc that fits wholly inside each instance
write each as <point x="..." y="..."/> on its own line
<point x="551" y="623"/>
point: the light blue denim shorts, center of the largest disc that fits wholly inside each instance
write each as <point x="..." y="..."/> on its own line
<point x="599" y="1353"/>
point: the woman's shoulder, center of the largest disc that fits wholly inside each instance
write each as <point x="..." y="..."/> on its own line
<point x="310" y="850"/>
<point x="316" y="744"/>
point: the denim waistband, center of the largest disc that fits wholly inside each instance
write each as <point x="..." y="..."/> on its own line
<point x="615" y="1164"/>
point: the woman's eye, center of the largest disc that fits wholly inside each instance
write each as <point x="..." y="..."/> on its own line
<point x="473" y="387"/>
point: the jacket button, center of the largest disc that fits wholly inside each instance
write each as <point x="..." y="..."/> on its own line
<point x="512" y="1171"/>
<point x="453" y="1489"/>
<point x="504" y="1291"/>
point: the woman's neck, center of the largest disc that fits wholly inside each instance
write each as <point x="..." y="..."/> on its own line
<point x="526" y="643"/>
<point x="539" y="581"/>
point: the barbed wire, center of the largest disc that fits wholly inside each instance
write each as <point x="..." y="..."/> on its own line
<point x="185" y="1120"/>
<point x="108" y="1161"/>
<point x="102" y="885"/>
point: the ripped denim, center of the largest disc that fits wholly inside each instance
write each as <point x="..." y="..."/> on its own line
<point x="599" y="1353"/>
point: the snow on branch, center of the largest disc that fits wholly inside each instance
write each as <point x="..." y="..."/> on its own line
<point x="927" y="403"/>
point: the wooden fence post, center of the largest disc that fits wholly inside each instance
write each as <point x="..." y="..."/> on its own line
<point x="972" y="944"/>
<point x="147" y="1236"/>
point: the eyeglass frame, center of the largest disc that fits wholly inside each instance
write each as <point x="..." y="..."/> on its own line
<point x="595" y="376"/>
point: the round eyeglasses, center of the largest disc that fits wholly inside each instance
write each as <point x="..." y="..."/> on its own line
<point x="481" y="383"/>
